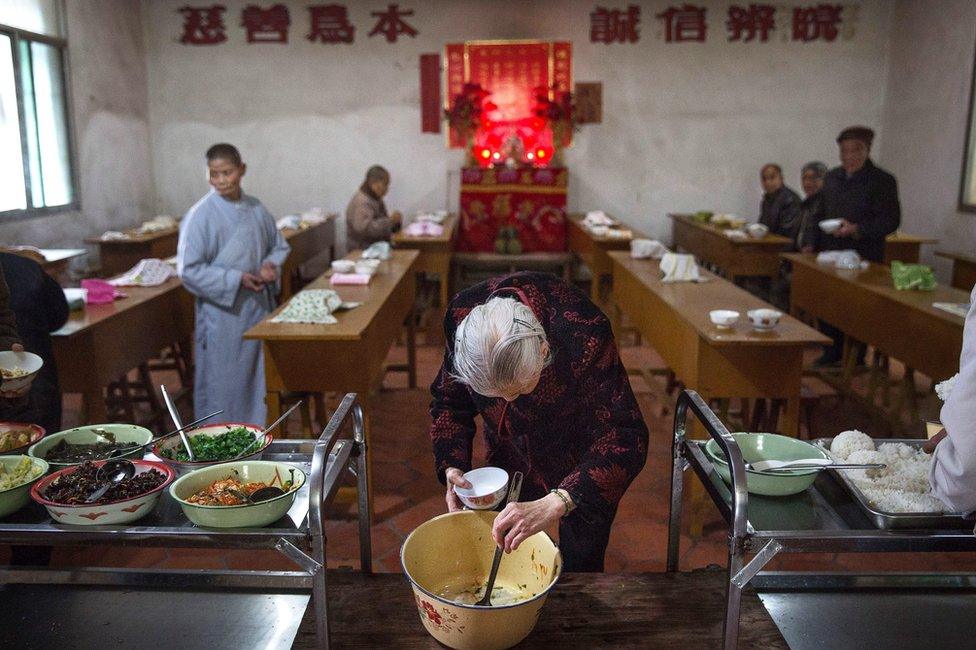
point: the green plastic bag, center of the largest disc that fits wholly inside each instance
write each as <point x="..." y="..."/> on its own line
<point x="912" y="276"/>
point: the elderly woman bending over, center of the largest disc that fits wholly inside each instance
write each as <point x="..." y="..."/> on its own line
<point x="536" y="360"/>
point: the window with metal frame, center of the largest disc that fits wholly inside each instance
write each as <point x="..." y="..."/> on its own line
<point x="37" y="174"/>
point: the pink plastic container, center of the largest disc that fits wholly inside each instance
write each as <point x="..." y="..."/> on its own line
<point x="100" y="292"/>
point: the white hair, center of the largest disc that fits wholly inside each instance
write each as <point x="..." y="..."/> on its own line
<point x="499" y="348"/>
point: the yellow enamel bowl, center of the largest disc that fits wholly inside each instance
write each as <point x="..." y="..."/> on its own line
<point x="457" y="549"/>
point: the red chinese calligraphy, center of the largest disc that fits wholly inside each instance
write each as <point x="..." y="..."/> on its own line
<point x="685" y="23"/>
<point x="750" y="22"/>
<point x="330" y="24"/>
<point x="266" y="25"/>
<point x="203" y="25"/>
<point x="615" y="26"/>
<point x="392" y="24"/>
<point x="816" y="23"/>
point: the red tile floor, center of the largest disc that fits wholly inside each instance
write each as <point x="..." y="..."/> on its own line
<point x="406" y="494"/>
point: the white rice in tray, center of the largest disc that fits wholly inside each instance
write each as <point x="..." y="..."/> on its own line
<point x="902" y="486"/>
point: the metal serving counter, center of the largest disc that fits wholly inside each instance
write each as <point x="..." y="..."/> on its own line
<point x="299" y="536"/>
<point x="822" y="519"/>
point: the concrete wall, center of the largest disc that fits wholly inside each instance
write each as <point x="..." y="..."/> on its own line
<point x="686" y="126"/>
<point x="930" y="74"/>
<point x="109" y="97"/>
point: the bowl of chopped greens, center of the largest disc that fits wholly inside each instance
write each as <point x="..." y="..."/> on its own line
<point x="212" y="444"/>
<point x="17" y="475"/>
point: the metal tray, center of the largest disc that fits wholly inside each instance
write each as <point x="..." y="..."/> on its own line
<point x="897" y="520"/>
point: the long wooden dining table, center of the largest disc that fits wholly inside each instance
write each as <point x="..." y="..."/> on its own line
<point x="100" y="343"/>
<point x="865" y="305"/>
<point x="307" y="243"/>
<point x="348" y="356"/>
<point x="732" y="257"/>
<point x="963" y="269"/>
<point x="718" y="363"/>
<point x="592" y="250"/>
<point x="119" y="255"/>
<point x="435" y="254"/>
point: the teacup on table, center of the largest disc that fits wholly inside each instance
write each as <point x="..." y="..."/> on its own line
<point x="488" y="487"/>
<point x="724" y="318"/>
<point x="757" y="230"/>
<point x="764" y="320"/>
<point x="343" y="266"/>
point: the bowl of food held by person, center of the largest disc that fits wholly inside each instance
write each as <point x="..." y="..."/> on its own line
<point x="488" y="487"/>
<point x="757" y="447"/>
<point x="226" y="495"/>
<point x="65" y="493"/>
<point x="16" y="437"/>
<point x="17" y="369"/>
<point x="17" y="475"/>
<point x="214" y="443"/>
<point x="93" y="442"/>
<point x="447" y="560"/>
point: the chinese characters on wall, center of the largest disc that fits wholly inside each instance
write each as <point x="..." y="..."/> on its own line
<point x="269" y="24"/>
<point x="679" y="23"/>
<point x="743" y="23"/>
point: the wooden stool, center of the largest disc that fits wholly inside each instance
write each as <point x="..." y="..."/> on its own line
<point x="124" y="394"/>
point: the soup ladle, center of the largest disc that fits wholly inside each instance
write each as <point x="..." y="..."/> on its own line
<point x="113" y="471"/>
<point x="513" y="495"/>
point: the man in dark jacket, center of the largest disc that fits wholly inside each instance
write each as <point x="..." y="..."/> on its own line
<point x="863" y="195"/>
<point x="780" y="208"/>
<point x="811" y="209"/>
<point x="40" y="308"/>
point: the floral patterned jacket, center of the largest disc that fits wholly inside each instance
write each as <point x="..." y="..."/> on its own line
<point x="580" y="429"/>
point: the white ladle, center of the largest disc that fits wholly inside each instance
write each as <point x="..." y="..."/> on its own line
<point x="808" y="463"/>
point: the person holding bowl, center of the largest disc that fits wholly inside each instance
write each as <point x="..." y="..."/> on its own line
<point x="536" y="359"/>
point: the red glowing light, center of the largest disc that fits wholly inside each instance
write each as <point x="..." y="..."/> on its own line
<point x="485" y="153"/>
<point x="541" y="153"/>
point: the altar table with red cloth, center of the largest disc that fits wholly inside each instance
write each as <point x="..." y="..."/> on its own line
<point x="532" y="200"/>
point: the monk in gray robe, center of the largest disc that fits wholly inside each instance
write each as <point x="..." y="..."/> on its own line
<point x="367" y="221"/>
<point x="229" y="256"/>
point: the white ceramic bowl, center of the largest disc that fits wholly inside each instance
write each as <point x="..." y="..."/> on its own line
<point x="830" y="226"/>
<point x="116" y="512"/>
<point x="26" y="361"/>
<point x="488" y="487"/>
<point x="599" y="231"/>
<point x="724" y="318"/>
<point x="757" y="230"/>
<point x="343" y="266"/>
<point x="765" y="319"/>
<point x="125" y="434"/>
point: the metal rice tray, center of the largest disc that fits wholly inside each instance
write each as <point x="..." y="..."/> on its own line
<point x="896" y="520"/>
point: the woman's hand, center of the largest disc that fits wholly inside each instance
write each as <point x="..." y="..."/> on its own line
<point x="519" y="521"/>
<point x="252" y="282"/>
<point x="268" y="273"/>
<point x="847" y="229"/>
<point x="454" y="477"/>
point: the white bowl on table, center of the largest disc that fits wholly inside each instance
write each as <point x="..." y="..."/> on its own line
<point x="764" y="319"/>
<point x="488" y="487"/>
<point x="757" y="230"/>
<point x="343" y="266"/>
<point x="27" y="362"/>
<point x="724" y="318"/>
<point x="830" y="226"/>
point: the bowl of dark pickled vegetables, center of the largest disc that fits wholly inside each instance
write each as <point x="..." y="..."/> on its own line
<point x="64" y="494"/>
<point x="212" y="444"/>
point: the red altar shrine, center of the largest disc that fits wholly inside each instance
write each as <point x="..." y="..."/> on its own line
<point x="532" y="200"/>
<point x="512" y="113"/>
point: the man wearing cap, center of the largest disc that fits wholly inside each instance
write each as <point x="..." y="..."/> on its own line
<point x="863" y="195"/>
<point x="865" y="198"/>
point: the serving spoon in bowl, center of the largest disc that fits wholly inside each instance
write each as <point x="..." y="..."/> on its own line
<point x="114" y="471"/>
<point x="807" y="463"/>
<point x="513" y="495"/>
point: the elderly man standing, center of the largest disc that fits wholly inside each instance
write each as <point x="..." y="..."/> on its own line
<point x="865" y="198"/>
<point x="811" y="209"/>
<point x="863" y="195"/>
<point x="367" y="221"/>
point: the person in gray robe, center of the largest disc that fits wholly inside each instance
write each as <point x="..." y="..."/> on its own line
<point x="367" y="221"/>
<point x="953" y="472"/>
<point x="229" y="257"/>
